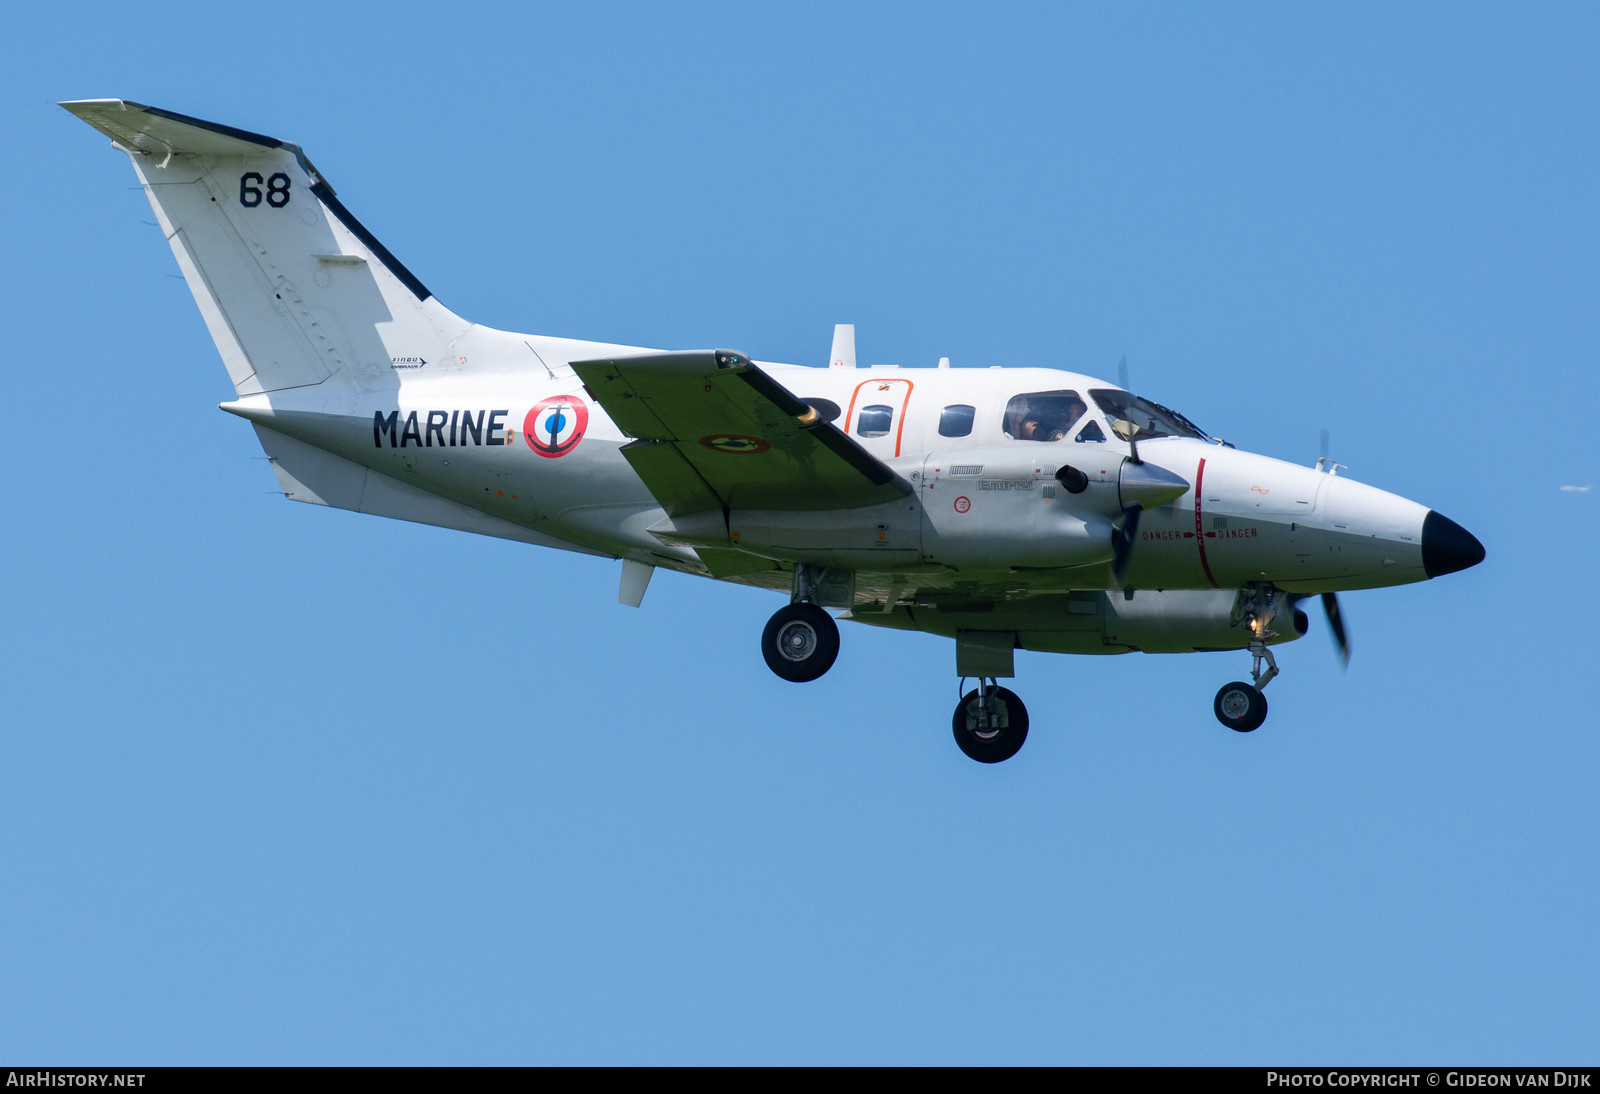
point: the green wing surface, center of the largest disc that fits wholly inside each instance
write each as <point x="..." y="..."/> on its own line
<point x="713" y="431"/>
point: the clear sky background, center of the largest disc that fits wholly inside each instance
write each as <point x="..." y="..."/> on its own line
<point x="281" y="784"/>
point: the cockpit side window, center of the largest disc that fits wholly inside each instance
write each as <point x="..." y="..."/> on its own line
<point x="1091" y="431"/>
<point x="956" y="421"/>
<point x="1042" y="415"/>
<point x="874" y="421"/>
<point x="1131" y="417"/>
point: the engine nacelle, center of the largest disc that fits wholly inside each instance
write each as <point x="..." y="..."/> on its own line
<point x="1184" y="621"/>
<point x="997" y="508"/>
<point x="1092" y="621"/>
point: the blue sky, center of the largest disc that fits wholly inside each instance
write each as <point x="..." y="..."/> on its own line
<point x="290" y="785"/>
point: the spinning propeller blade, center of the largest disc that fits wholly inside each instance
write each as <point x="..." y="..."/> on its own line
<point x="1330" y="605"/>
<point x="1122" y="541"/>
<point x="1122" y="382"/>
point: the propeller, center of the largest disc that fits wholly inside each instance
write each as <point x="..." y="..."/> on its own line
<point x="1140" y="485"/>
<point x="1330" y="605"/>
<point x="1122" y="541"/>
<point x="1122" y="382"/>
<point x="1155" y="485"/>
<point x="1323" y="462"/>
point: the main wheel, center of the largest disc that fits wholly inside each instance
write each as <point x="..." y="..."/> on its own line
<point x="1240" y="706"/>
<point x="800" y="642"/>
<point x="1007" y="726"/>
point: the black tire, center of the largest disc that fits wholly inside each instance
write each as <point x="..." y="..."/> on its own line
<point x="800" y="642"/>
<point x="993" y="745"/>
<point x="1240" y="707"/>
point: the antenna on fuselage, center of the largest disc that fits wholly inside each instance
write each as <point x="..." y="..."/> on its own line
<point x="844" y="346"/>
<point x="538" y="358"/>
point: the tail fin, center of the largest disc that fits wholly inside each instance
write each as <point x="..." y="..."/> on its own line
<point x="293" y="289"/>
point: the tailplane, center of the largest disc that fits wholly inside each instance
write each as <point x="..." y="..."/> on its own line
<point x="294" y="290"/>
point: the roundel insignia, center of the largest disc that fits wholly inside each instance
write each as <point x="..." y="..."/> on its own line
<point x="555" y="426"/>
<point x="735" y="443"/>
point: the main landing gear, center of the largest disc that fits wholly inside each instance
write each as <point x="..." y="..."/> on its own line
<point x="801" y="641"/>
<point x="990" y="722"/>
<point x="1241" y="706"/>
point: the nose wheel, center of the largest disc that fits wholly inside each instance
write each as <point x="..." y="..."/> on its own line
<point x="1240" y="707"/>
<point x="990" y="723"/>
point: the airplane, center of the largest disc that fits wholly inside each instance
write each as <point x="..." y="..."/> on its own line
<point x="1004" y="508"/>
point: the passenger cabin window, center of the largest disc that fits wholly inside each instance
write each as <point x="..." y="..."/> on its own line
<point x="956" y="421"/>
<point x="1043" y="415"/>
<point x="873" y="421"/>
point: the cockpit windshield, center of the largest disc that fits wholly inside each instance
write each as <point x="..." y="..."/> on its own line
<point x="1133" y="418"/>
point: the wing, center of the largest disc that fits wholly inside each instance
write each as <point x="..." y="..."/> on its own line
<point x="715" y="432"/>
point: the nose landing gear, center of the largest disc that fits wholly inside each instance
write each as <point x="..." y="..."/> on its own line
<point x="1241" y="706"/>
<point x="990" y="722"/>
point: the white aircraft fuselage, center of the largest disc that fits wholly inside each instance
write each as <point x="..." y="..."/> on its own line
<point x="982" y="507"/>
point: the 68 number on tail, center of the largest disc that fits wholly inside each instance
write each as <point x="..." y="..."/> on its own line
<point x="277" y="192"/>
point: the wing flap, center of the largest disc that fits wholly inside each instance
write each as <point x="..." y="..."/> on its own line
<point x="672" y="479"/>
<point x="747" y="439"/>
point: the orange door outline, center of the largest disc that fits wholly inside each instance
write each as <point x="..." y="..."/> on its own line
<point x="883" y="385"/>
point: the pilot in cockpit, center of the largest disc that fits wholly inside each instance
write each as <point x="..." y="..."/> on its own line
<point x="1043" y="416"/>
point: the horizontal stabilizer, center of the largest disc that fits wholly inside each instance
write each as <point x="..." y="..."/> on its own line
<point x="149" y="129"/>
<point x="316" y="476"/>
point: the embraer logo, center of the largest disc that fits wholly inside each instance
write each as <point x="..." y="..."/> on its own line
<point x="439" y="428"/>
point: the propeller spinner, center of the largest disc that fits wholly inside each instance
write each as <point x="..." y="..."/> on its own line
<point x="1141" y="485"/>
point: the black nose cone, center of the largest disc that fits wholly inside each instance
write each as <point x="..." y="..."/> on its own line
<point x="1447" y="547"/>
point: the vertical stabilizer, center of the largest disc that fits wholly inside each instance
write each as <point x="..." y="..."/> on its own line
<point x="294" y="290"/>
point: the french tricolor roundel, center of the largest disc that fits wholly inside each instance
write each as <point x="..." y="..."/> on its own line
<point x="555" y="426"/>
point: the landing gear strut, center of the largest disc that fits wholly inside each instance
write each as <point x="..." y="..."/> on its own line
<point x="801" y="641"/>
<point x="1241" y="706"/>
<point x="990" y="722"/>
